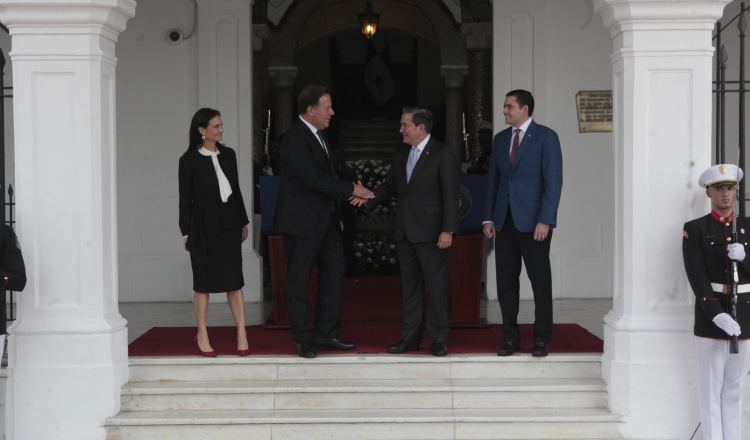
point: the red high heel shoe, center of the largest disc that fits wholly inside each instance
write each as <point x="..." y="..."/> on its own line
<point x="243" y="352"/>
<point x="211" y="354"/>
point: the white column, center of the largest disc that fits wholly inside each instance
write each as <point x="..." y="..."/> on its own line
<point x="68" y="349"/>
<point x="225" y="83"/>
<point x="661" y="66"/>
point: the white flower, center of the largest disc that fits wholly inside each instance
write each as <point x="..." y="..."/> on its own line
<point x="380" y="242"/>
<point x="369" y="251"/>
<point x="393" y="246"/>
<point x="385" y="209"/>
<point x="360" y="244"/>
<point x="382" y="258"/>
<point x="369" y="260"/>
<point x="357" y="255"/>
<point x="392" y="260"/>
<point x="367" y="170"/>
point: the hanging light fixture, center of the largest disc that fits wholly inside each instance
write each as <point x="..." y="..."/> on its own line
<point x="369" y="21"/>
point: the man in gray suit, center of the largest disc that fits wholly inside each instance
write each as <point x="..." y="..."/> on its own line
<point x="424" y="178"/>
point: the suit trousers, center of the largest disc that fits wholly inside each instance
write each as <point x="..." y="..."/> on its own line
<point x="511" y="246"/>
<point x="420" y="263"/>
<point x="328" y="254"/>
<point x="721" y="386"/>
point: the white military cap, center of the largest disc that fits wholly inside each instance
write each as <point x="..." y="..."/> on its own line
<point x="727" y="174"/>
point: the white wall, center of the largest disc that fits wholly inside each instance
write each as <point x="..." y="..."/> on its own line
<point x="556" y="48"/>
<point x="157" y="94"/>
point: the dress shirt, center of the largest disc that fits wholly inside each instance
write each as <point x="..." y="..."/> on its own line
<point x="420" y="147"/>
<point x="524" y="128"/>
<point x="315" y="133"/>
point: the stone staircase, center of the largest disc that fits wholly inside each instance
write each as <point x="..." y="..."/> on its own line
<point x="365" y="396"/>
<point x="370" y="138"/>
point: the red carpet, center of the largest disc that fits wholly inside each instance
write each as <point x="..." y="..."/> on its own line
<point x="371" y="319"/>
<point x="371" y="337"/>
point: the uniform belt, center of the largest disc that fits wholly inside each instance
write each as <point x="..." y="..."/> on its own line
<point x="725" y="289"/>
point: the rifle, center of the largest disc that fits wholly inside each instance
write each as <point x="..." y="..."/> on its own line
<point x="734" y="340"/>
<point x="266" y="157"/>
<point x="466" y="139"/>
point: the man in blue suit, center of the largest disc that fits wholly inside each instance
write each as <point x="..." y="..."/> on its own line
<point x="523" y="191"/>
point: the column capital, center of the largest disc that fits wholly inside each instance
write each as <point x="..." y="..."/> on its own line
<point x="283" y="76"/>
<point x="454" y="74"/>
<point x="478" y="35"/>
<point x="260" y="34"/>
<point x="627" y="15"/>
<point x="53" y="17"/>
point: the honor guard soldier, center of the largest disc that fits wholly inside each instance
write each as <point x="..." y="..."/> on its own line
<point x="708" y="251"/>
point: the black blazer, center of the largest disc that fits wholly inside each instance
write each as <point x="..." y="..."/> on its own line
<point x="202" y="213"/>
<point x="428" y="204"/>
<point x="704" y="251"/>
<point x="11" y="260"/>
<point x="309" y="190"/>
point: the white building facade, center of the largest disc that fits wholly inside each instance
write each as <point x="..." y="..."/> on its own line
<point x="101" y="108"/>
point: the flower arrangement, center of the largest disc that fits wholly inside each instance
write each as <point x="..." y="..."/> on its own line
<point x="375" y="253"/>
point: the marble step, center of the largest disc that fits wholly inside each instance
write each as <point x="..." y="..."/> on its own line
<point x="434" y="424"/>
<point x="369" y="394"/>
<point x="365" y="367"/>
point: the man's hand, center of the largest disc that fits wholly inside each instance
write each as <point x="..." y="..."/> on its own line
<point x="357" y="201"/>
<point x="445" y="240"/>
<point x="244" y="233"/>
<point x="342" y="225"/>
<point x="736" y="251"/>
<point x="541" y="231"/>
<point x="726" y="323"/>
<point x="184" y="243"/>
<point x="489" y="229"/>
<point x="362" y="192"/>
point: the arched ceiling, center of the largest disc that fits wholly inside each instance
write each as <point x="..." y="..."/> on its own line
<point x="335" y="16"/>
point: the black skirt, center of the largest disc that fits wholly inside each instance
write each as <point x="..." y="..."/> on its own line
<point x="223" y="271"/>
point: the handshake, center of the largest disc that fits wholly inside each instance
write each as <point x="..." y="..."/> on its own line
<point x="360" y="195"/>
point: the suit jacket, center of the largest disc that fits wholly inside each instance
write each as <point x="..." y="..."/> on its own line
<point x="532" y="186"/>
<point x="11" y="260"/>
<point x="309" y="189"/>
<point x="704" y="251"/>
<point x="202" y="213"/>
<point x="428" y="204"/>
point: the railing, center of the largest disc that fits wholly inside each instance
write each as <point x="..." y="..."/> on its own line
<point x="721" y="90"/>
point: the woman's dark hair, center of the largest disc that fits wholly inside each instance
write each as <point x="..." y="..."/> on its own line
<point x="201" y="118"/>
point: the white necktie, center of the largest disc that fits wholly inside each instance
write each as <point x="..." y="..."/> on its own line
<point x="225" y="189"/>
<point x="413" y="156"/>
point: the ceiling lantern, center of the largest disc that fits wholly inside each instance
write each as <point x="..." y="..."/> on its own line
<point x="369" y="21"/>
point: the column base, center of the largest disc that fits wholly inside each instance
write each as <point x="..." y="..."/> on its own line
<point x="651" y="378"/>
<point x="64" y="385"/>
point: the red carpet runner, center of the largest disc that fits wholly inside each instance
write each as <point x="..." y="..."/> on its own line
<point x="371" y="319"/>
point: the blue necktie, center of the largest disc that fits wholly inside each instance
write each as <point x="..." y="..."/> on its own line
<point x="412" y="161"/>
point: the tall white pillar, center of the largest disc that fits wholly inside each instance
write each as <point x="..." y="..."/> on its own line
<point x="661" y="66"/>
<point x="225" y="83"/>
<point x="68" y="348"/>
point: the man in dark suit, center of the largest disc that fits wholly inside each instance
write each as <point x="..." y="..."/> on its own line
<point x="524" y="183"/>
<point x="308" y="219"/>
<point x="424" y="178"/>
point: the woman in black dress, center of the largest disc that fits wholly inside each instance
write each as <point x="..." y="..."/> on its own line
<point x="213" y="223"/>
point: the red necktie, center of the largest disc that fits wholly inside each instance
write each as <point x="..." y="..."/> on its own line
<point x="514" y="148"/>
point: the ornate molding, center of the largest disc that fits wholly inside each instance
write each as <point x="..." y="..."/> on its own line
<point x="478" y="35"/>
<point x="283" y="76"/>
<point x="454" y="75"/>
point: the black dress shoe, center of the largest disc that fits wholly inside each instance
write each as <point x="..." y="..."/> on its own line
<point x="306" y="350"/>
<point x="541" y="349"/>
<point x="403" y="347"/>
<point x="333" y="344"/>
<point x="508" y="348"/>
<point x="438" y="349"/>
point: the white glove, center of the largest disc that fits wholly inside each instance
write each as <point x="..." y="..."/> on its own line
<point x="736" y="251"/>
<point x="726" y="323"/>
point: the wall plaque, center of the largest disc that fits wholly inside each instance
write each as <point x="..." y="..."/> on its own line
<point x="594" y="111"/>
